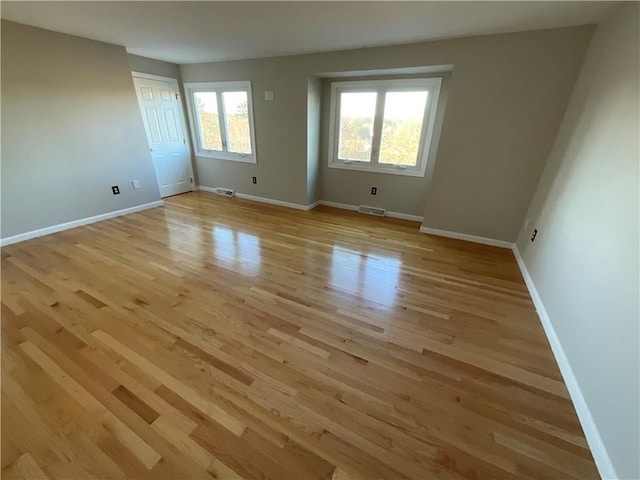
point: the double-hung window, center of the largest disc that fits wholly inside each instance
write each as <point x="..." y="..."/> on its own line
<point x="221" y="115"/>
<point x="383" y="125"/>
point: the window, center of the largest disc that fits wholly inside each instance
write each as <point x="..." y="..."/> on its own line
<point x="221" y="115"/>
<point x="383" y="125"/>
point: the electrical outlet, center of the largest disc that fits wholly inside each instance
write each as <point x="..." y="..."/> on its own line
<point x="268" y="96"/>
<point x="374" y="190"/>
<point x="254" y="180"/>
<point x="135" y="183"/>
<point x="533" y="235"/>
<point x="116" y="190"/>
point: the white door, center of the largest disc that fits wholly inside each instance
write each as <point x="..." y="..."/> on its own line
<point x="163" y="121"/>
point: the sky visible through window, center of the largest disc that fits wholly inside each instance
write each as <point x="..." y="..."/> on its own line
<point x="207" y="101"/>
<point x="233" y="101"/>
<point x="404" y="105"/>
<point x="358" y="104"/>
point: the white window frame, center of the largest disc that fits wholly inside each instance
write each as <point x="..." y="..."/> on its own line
<point x="220" y="87"/>
<point x="431" y="85"/>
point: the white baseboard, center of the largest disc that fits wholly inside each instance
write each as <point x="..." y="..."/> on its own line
<point x="299" y="206"/>
<point x="270" y="201"/>
<point x="76" y="223"/>
<point x="591" y="432"/>
<point x="280" y="203"/>
<point x="346" y="206"/>
<point x="405" y="216"/>
<point x="468" y="238"/>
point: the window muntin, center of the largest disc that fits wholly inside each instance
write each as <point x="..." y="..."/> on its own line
<point x="396" y="138"/>
<point x="221" y="115"/>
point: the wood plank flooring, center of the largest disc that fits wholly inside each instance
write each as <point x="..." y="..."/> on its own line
<point x="220" y="338"/>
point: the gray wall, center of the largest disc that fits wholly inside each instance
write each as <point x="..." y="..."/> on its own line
<point x="280" y="129"/>
<point x="153" y="66"/>
<point x="314" y="102"/>
<point x="584" y="261"/>
<point x="507" y="96"/>
<point x="396" y="193"/>
<point x="71" y="128"/>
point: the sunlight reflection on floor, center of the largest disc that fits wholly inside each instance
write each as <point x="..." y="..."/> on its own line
<point x="374" y="278"/>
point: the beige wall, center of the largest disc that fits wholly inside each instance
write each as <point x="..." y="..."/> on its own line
<point x="71" y="128"/>
<point x="396" y="193"/>
<point x="280" y="130"/>
<point x="153" y="66"/>
<point x="584" y="261"/>
<point x="507" y="96"/>
<point x="314" y="102"/>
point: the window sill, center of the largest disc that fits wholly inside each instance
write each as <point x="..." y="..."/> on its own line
<point x="228" y="157"/>
<point x="407" y="172"/>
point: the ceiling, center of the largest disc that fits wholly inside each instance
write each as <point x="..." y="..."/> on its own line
<point x="191" y="32"/>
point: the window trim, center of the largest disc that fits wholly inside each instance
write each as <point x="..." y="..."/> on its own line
<point x="431" y="84"/>
<point x="194" y="121"/>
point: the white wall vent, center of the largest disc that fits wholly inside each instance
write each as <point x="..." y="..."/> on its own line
<point x="371" y="210"/>
<point x="224" y="191"/>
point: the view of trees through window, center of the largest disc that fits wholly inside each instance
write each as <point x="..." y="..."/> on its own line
<point x="236" y="107"/>
<point x="401" y="126"/>
<point x="357" y="111"/>
<point x="207" y="107"/>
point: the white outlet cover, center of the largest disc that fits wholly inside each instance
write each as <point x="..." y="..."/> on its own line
<point x="268" y="96"/>
<point x="135" y="183"/>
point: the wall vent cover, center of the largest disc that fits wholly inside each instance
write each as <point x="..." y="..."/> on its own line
<point x="371" y="210"/>
<point x="224" y="191"/>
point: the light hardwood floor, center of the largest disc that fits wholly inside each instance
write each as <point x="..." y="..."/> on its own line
<point x="217" y="337"/>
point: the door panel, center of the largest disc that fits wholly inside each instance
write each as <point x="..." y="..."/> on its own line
<point x="146" y="93"/>
<point x="181" y="175"/>
<point x="153" y="126"/>
<point x="165" y="94"/>
<point x="170" y="121"/>
<point x="162" y="170"/>
<point x="162" y="118"/>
